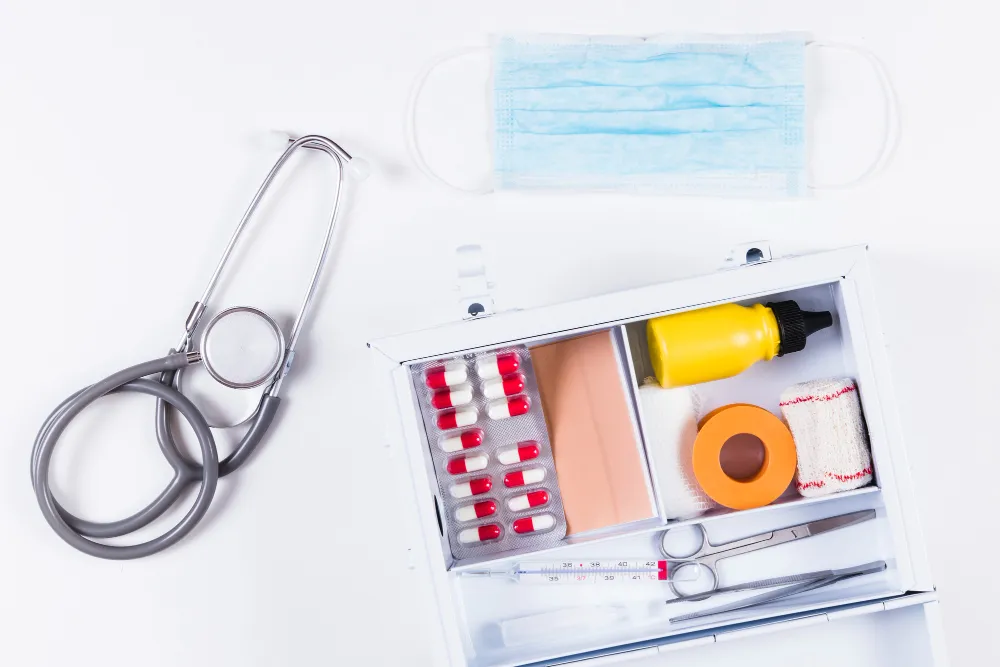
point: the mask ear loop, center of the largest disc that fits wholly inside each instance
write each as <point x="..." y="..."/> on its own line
<point x="891" y="120"/>
<point x="412" y="144"/>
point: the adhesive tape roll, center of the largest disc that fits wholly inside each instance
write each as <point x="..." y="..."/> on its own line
<point x="776" y="471"/>
<point x="716" y="411"/>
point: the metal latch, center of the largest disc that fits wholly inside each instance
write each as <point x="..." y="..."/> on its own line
<point x="745" y="254"/>
<point x="475" y="290"/>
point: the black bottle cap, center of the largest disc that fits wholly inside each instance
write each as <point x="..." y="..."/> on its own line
<point x="795" y="325"/>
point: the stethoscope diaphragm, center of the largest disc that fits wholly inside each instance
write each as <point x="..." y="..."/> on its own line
<point x="242" y="347"/>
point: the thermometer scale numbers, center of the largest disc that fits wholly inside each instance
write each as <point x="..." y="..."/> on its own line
<point x="595" y="571"/>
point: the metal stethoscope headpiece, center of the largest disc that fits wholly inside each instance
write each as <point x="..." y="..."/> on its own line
<point x="241" y="348"/>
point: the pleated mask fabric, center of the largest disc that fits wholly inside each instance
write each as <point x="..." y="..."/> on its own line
<point x="702" y="116"/>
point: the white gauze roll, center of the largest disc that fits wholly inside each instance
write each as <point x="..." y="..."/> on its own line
<point x="831" y="443"/>
<point x="670" y="420"/>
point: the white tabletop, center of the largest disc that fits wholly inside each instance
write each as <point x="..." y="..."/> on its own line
<point x="130" y="142"/>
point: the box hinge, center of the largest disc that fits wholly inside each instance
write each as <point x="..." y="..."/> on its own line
<point x="475" y="290"/>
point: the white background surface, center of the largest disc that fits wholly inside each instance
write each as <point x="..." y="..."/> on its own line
<point x="128" y="149"/>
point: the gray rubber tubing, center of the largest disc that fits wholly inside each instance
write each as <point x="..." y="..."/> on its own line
<point x="81" y="533"/>
<point x="76" y="531"/>
<point x="262" y="419"/>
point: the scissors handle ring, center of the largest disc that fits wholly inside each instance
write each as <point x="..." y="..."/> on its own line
<point x="701" y="595"/>
<point x="698" y="552"/>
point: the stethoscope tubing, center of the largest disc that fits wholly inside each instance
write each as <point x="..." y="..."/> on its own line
<point x="78" y="532"/>
<point x="81" y="533"/>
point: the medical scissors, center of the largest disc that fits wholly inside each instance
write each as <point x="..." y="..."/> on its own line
<point x="80" y="533"/>
<point x="707" y="555"/>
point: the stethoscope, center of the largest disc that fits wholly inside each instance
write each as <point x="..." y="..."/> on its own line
<point x="241" y="348"/>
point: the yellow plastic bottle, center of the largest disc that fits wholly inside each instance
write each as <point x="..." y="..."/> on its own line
<point x="722" y="341"/>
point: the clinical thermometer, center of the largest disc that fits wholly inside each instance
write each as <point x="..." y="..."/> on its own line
<point x="590" y="572"/>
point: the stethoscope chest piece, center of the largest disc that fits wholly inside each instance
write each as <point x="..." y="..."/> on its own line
<point x="242" y="348"/>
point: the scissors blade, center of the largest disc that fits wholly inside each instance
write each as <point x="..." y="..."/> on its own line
<point x="831" y="523"/>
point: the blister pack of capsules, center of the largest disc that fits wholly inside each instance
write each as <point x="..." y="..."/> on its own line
<point x="491" y="452"/>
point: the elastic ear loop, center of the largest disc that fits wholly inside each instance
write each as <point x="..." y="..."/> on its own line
<point x="890" y="136"/>
<point x="412" y="144"/>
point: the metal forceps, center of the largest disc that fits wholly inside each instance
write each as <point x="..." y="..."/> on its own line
<point x="706" y="555"/>
<point x="801" y="583"/>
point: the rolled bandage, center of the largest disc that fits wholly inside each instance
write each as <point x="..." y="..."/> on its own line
<point x="830" y="438"/>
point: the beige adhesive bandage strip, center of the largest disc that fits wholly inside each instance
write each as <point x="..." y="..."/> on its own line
<point x="598" y="462"/>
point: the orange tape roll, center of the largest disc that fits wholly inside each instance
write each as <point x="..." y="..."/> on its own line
<point x="776" y="471"/>
<point x="720" y="409"/>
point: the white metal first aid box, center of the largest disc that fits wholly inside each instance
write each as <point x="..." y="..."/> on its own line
<point x="890" y="618"/>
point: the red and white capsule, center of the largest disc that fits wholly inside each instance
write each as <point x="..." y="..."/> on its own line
<point x="523" y="451"/>
<point x="481" y="534"/>
<point x="534" y="524"/>
<point x="464" y="440"/>
<point x="508" y="385"/>
<point x="457" y="418"/>
<point x="473" y="487"/>
<point x="446" y="375"/>
<point x="497" y="365"/>
<point x="480" y="510"/>
<point x="508" y="407"/>
<point x="465" y="464"/>
<point x="452" y="397"/>
<point x="528" y="500"/>
<point x="524" y="477"/>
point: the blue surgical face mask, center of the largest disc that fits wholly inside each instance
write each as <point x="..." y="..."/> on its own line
<point x="695" y="117"/>
<point x="708" y="116"/>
